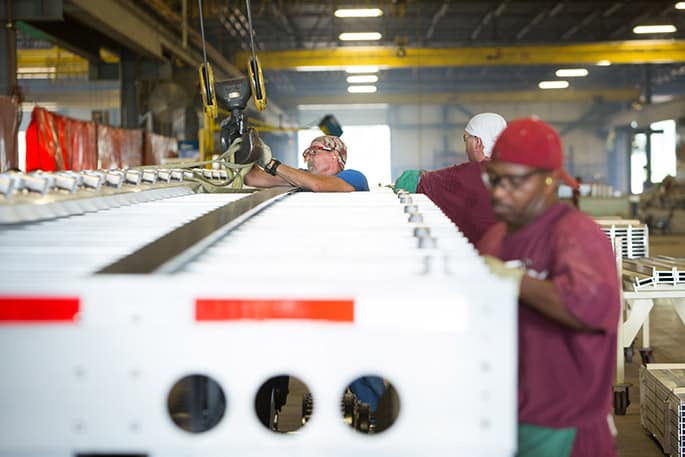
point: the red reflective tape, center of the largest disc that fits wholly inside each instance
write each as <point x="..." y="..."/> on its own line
<point x="207" y="309"/>
<point x="38" y="309"/>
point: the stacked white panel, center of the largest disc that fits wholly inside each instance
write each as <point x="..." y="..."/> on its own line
<point x="70" y="247"/>
<point x="634" y="234"/>
<point x="430" y="319"/>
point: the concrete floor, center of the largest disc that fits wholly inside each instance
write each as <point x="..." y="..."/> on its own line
<point x="668" y="343"/>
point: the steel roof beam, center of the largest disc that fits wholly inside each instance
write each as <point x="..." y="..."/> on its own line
<point x="436" y="18"/>
<point x="535" y="21"/>
<point x="584" y="22"/>
<point x="613" y="8"/>
<point x="496" y="12"/>
<point x="649" y="14"/>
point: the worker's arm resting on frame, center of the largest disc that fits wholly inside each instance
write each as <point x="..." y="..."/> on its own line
<point x="259" y="178"/>
<point x="286" y="175"/>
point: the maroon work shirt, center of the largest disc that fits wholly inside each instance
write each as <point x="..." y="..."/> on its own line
<point x="565" y="376"/>
<point x="460" y="193"/>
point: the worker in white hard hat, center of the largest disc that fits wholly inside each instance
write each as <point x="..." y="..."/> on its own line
<point x="458" y="190"/>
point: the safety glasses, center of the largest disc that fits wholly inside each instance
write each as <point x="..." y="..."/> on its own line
<point x="492" y="180"/>
<point x="313" y="150"/>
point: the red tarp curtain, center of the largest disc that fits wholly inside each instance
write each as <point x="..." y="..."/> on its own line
<point x="119" y="147"/>
<point x="158" y="148"/>
<point x="55" y="142"/>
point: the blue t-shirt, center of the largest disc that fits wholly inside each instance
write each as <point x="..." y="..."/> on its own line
<point x="354" y="178"/>
<point x="368" y="389"/>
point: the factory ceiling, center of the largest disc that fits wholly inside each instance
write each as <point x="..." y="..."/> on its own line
<point x="429" y="51"/>
<point x="448" y="48"/>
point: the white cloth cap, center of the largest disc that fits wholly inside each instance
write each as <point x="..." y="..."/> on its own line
<point x="487" y="127"/>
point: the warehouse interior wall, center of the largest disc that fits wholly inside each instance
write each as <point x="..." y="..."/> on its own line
<point x="423" y="139"/>
<point x="421" y="136"/>
<point x="431" y="136"/>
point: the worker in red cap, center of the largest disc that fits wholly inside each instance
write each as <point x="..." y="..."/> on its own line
<point x="568" y="296"/>
<point x="325" y="157"/>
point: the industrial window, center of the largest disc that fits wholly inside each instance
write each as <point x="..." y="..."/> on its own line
<point x="663" y="158"/>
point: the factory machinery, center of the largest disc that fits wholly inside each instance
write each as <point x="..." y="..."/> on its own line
<point x="141" y="314"/>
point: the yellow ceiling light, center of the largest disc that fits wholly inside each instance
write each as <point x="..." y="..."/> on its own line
<point x="362" y="79"/>
<point x="362" y="69"/>
<point x="680" y="6"/>
<point x="571" y="73"/>
<point x="361" y="89"/>
<point x="553" y="84"/>
<point x="604" y="63"/>
<point x="360" y="36"/>
<point x="665" y="28"/>
<point x="358" y="12"/>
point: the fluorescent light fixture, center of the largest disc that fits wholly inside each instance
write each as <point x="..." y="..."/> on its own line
<point x="305" y="68"/>
<point x="338" y="107"/>
<point x="604" y="63"/>
<point x="358" y="12"/>
<point x="36" y="72"/>
<point x="28" y="106"/>
<point x="361" y="89"/>
<point x="666" y="28"/>
<point x="362" y="69"/>
<point x="362" y="79"/>
<point x="680" y="6"/>
<point x="362" y="36"/>
<point x="571" y="72"/>
<point x="553" y="84"/>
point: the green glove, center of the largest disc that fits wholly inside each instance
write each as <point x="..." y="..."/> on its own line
<point x="503" y="270"/>
<point x="408" y="180"/>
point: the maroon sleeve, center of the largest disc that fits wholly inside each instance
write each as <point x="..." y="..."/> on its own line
<point x="491" y="242"/>
<point x="585" y="272"/>
<point x="424" y="183"/>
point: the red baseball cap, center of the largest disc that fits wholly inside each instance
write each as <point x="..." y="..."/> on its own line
<point x="530" y="141"/>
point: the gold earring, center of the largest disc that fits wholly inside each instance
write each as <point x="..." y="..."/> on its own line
<point x="548" y="180"/>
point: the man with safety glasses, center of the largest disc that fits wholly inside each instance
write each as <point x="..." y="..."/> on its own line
<point x="568" y="296"/>
<point x="325" y="158"/>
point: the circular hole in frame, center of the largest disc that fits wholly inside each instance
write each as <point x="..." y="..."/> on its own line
<point x="370" y="404"/>
<point x="196" y="403"/>
<point x="284" y="404"/>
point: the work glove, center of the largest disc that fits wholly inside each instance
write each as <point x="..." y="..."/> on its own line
<point x="265" y="154"/>
<point x="408" y="181"/>
<point x="255" y="150"/>
<point x="503" y="270"/>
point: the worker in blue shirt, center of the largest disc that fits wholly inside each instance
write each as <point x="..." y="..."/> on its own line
<point x="325" y="158"/>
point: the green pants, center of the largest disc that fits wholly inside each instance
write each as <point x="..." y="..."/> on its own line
<point x="535" y="441"/>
